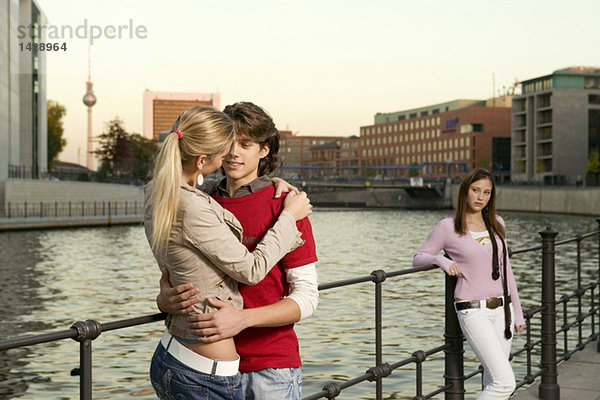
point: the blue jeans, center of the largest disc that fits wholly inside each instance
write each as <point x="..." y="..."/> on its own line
<point x="273" y="383"/>
<point x="171" y="379"/>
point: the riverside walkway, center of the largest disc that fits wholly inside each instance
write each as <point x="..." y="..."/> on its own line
<point x="578" y="378"/>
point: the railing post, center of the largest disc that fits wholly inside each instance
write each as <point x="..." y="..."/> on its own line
<point x="378" y="277"/>
<point x="549" y="388"/>
<point x="579" y="296"/>
<point x="86" y="332"/>
<point x="598" y="342"/>
<point x="453" y="357"/>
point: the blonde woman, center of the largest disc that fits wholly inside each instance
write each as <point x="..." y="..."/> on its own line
<point x="198" y="241"/>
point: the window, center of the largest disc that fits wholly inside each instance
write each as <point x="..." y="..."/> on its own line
<point x="591" y="83"/>
<point x="413" y="115"/>
<point x="424" y="113"/>
<point x="401" y="117"/>
<point x="477" y="127"/>
<point x="435" y="111"/>
<point x="594" y="99"/>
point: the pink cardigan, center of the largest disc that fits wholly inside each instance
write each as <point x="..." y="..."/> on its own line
<point x="475" y="262"/>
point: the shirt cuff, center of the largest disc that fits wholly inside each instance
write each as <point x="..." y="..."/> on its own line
<point x="304" y="288"/>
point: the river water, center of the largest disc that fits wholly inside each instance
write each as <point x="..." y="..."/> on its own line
<point x="53" y="278"/>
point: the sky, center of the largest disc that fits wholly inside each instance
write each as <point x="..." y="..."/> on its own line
<point x="320" y="67"/>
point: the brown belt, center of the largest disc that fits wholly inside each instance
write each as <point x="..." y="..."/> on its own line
<point x="491" y="303"/>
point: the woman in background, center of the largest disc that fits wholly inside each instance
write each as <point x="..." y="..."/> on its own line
<point x="486" y="297"/>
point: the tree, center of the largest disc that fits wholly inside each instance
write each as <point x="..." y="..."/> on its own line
<point x="593" y="167"/>
<point x="143" y="151"/>
<point x="594" y="162"/>
<point x="56" y="141"/>
<point x="114" y="151"/>
<point x="124" y="156"/>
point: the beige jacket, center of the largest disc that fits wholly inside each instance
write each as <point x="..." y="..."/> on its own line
<point x="205" y="249"/>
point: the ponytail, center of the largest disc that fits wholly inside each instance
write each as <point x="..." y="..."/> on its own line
<point x="165" y="191"/>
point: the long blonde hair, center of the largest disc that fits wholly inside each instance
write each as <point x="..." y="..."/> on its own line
<point x="204" y="131"/>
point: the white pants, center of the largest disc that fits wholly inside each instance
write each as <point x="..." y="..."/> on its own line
<point x="484" y="330"/>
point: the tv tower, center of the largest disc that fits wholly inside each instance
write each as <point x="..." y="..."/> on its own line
<point x="89" y="99"/>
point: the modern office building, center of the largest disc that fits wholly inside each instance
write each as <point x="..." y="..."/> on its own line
<point x="23" y="117"/>
<point x="467" y="133"/>
<point x="556" y="126"/>
<point x="162" y="108"/>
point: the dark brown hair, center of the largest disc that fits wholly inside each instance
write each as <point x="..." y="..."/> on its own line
<point x="494" y="228"/>
<point x="488" y="212"/>
<point x="253" y="123"/>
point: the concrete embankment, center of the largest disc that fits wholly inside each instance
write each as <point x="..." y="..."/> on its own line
<point x="21" y="223"/>
<point x="39" y="204"/>
<point x="35" y="191"/>
<point x="567" y="200"/>
<point x="373" y="197"/>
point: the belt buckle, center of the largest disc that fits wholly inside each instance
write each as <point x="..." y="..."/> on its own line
<point x="493" y="302"/>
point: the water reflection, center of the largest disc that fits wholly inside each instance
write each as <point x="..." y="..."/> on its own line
<point x="53" y="278"/>
<point x="19" y="288"/>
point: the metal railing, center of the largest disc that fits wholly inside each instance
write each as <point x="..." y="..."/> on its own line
<point x="55" y="209"/>
<point x="454" y="376"/>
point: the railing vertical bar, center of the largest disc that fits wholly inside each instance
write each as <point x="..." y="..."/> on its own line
<point x="529" y="347"/>
<point x="579" y="294"/>
<point x="379" y="278"/>
<point x="598" y="280"/>
<point x="549" y="388"/>
<point x="85" y="370"/>
<point x="565" y="328"/>
<point x="419" y="380"/>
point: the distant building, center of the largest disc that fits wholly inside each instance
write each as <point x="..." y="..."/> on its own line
<point x="23" y="115"/>
<point x="473" y="133"/>
<point x="295" y="150"/>
<point x="556" y="125"/>
<point x="162" y="108"/>
<point x="327" y="156"/>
